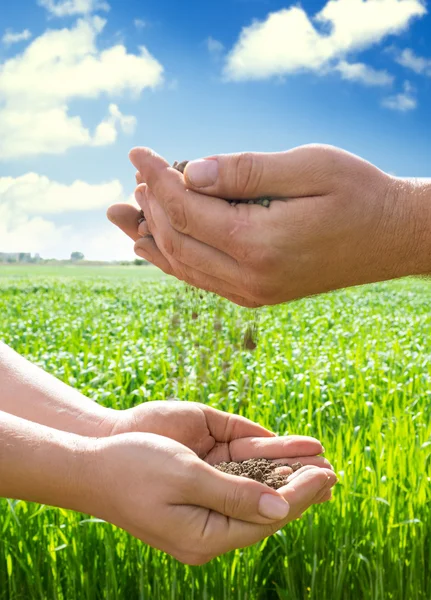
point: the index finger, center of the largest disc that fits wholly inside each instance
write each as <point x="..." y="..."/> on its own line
<point x="289" y="446"/>
<point x="126" y="217"/>
<point x="205" y="218"/>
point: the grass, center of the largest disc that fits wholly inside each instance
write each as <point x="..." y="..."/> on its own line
<point x="352" y="368"/>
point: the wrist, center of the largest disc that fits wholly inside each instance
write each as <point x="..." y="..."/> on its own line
<point x="413" y="199"/>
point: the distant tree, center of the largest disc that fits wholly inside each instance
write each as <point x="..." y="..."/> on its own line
<point x="77" y="256"/>
<point x="140" y="262"/>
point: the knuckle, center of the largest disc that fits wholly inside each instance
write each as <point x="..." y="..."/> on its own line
<point x="269" y="530"/>
<point x="328" y="163"/>
<point x="248" y="174"/>
<point x="185" y="274"/>
<point x="171" y="245"/>
<point x="234" y="501"/>
<point x="176" y="213"/>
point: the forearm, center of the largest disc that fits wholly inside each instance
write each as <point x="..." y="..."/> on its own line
<point x="43" y="465"/>
<point x="28" y="392"/>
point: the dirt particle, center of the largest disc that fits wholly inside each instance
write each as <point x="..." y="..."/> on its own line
<point x="262" y="470"/>
<point x="249" y="339"/>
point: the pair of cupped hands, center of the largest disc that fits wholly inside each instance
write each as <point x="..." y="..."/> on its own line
<point x="335" y="221"/>
<point x="326" y="236"/>
<point x="159" y="484"/>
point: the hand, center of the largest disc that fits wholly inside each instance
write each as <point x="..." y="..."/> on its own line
<point x="337" y="221"/>
<point x="216" y="436"/>
<point x="162" y="493"/>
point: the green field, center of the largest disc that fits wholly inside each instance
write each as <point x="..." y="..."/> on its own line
<point x="149" y="273"/>
<point x="352" y="368"/>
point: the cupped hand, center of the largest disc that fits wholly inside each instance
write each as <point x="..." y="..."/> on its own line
<point x="163" y="494"/>
<point x="335" y="221"/>
<point x="215" y="435"/>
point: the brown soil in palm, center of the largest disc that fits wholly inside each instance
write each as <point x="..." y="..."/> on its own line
<point x="261" y="470"/>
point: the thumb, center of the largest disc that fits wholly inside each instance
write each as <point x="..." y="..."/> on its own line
<point x="238" y="497"/>
<point x="304" y="171"/>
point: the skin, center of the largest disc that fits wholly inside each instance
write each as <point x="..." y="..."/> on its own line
<point x="147" y="469"/>
<point x="336" y="221"/>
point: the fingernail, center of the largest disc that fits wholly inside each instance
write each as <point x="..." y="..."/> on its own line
<point x="202" y="173"/>
<point x="273" y="507"/>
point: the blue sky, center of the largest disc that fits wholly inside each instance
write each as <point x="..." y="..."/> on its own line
<point x="83" y="81"/>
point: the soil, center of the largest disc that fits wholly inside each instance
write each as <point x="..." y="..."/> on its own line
<point x="261" y="470"/>
<point x="263" y="201"/>
<point x="250" y="339"/>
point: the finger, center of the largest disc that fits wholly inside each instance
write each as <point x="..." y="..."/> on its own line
<point x="237" y="497"/>
<point x="300" y="172"/>
<point x="126" y="217"/>
<point x="185" y="249"/>
<point x="179" y="269"/>
<point x="300" y="495"/>
<point x="207" y="219"/>
<point x="146" y="248"/>
<point x="325" y="496"/>
<point x="225" y="427"/>
<point x="144" y="229"/>
<point x="315" y="461"/>
<point x="278" y="447"/>
<point x="296" y="478"/>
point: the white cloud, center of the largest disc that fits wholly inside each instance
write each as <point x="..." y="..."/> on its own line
<point x="37" y="86"/>
<point x="407" y="58"/>
<point x="106" y="131"/>
<point x="35" y="194"/>
<point x="402" y="102"/>
<point x="289" y="40"/>
<point x="106" y="243"/>
<point x="30" y="203"/>
<point x="29" y="234"/>
<point x="214" y="46"/>
<point x="68" y="8"/>
<point x="363" y="74"/>
<point x="11" y="37"/>
<point x="140" y="24"/>
<point x="39" y="235"/>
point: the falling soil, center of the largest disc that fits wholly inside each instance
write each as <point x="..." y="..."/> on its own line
<point x="261" y="470"/>
<point x="249" y="340"/>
